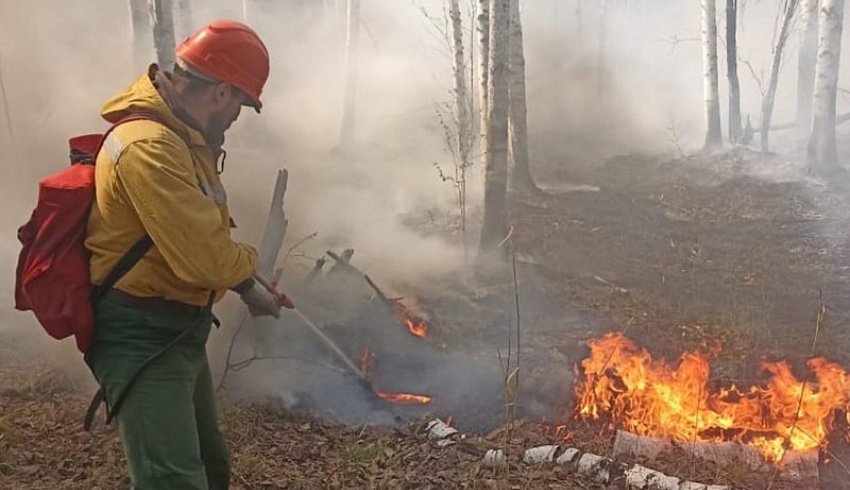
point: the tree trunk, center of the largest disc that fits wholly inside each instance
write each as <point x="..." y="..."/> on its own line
<point x="822" y="152"/>
<point x="245" y="10"/>
<point x="162" y="19"/>
<point x="484" y="66"/>
<point x="601" y="48"/>
<point x="710" y="78"/>
<point x="732" y="68"/>
<point x="806" y="61"/>
<point x="140" y="21"/>
<point x="494" y="227"/>
<point x="462" y="108"/>
<point x="185" y="26"/>
<point x="770" y="96"/>
<point x="352" y="41"/>
<point x="521" y="179"/>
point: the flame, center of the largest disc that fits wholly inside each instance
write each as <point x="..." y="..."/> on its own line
<point x="366" y="358"/>
<point x="417" y="327"/>
<point x="625" y="385"/>
<point x="404" y="398"/>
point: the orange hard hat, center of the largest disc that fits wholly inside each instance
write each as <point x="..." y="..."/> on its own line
<point x="229" y="52"/>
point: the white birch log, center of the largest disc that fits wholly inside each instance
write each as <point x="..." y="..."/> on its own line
<point x="806" y="62"/>
<point x="641" y="478"/>
<point x="822" y="152"/>
<point x="540" y="454"/>
<point x="770" y="95"/>
<point x="162" y="19"/>
<point x="710" y="75"/>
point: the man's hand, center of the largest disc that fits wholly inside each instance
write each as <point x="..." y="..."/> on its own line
<point x="261" y="302"/>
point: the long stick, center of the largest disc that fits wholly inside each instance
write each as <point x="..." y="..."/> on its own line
<point x="316" y="330"/>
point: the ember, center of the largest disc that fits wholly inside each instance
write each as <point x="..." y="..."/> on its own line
<point x="625" y="385"/>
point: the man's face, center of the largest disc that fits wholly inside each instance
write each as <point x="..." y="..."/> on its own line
<point x="226" y="105"/>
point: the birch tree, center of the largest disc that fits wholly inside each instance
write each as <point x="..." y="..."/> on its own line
<point x="141" y="28"/>
<point x="462" y="108"/>
<point x="822" y="153"/>
<point x="185" y="26"/>
<point x="732" y="70"/>
<point x="806" y="61"/>
<point x="162" y="20"/>
<point x="352" y="41"/>
<point x="710" y="77"/>
<point x="484" y="65"/>
<point x="601" y="48"/>
<point x="521" y="179"/>
<point x="770" y="95"/>
<point x="494" y="226"/>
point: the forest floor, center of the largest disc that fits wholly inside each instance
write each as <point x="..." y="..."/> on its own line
<point x="674" y="252"/>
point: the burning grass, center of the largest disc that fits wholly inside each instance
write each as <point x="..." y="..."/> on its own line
<point x="624" y="386"/>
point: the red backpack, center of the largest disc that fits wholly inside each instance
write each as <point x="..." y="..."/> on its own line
<point x="52" y="277"/>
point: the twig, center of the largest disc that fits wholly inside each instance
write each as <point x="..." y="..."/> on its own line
<point x="227" y="365"/>
<point x="6" y="106"/>
<point x="311" y="236"/>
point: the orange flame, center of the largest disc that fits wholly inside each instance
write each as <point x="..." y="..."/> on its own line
<point x="418" y="329"/>
<point x="404" y="398"/>
<point x="625" y="385"/>
<point x="415" y="326"/>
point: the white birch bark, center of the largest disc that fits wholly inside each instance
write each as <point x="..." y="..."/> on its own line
<point x="462" y="110"/>
<point x="352" y="42"/>
<point x="806" y="61"/>
<point x="521" y="179"/>
<point x="602" y="46"/>
<point x="822" y="151"/>
<point x="484" y="66"/>
<point x="162" y="19"/>
<point x="140" y="22"/>
<point x="775" y="65"/>
<point x="710" y="77"/>
<point x="494" y="227"/>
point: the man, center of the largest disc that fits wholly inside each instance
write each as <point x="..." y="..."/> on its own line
<point x="158" y="177"/>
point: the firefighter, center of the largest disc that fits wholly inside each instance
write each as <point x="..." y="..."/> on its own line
<point x="158" y="176"/>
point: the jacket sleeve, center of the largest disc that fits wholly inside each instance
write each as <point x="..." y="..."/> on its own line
<point x="186" y="226"/>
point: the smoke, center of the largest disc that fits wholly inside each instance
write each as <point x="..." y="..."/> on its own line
<point x="60" y="60"/>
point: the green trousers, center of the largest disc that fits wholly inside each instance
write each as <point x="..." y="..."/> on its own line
<point x="168" y="420"/>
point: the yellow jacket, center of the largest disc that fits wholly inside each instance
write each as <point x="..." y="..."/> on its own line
<point x="162" y="180"/>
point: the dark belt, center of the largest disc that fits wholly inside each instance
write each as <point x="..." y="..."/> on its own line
<point x="156" y="305"/>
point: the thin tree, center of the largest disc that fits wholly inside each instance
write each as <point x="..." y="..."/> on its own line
<point x="732" y="70"/>
<point x="162" y="18"/>
<point x="352" y="41"/>
<point x="484" y="65"/>
<point x="710" y="77"/>
<point x="770" y="96"/>
<point x="822" y="152"/>
<point x="521" y="179"/>
<point x="494" y="226"/>
<point x="462" y="108"/>
<point x="601" y="48"/>
<point x="140" y="23"/>
<point x="806" y="61"/>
